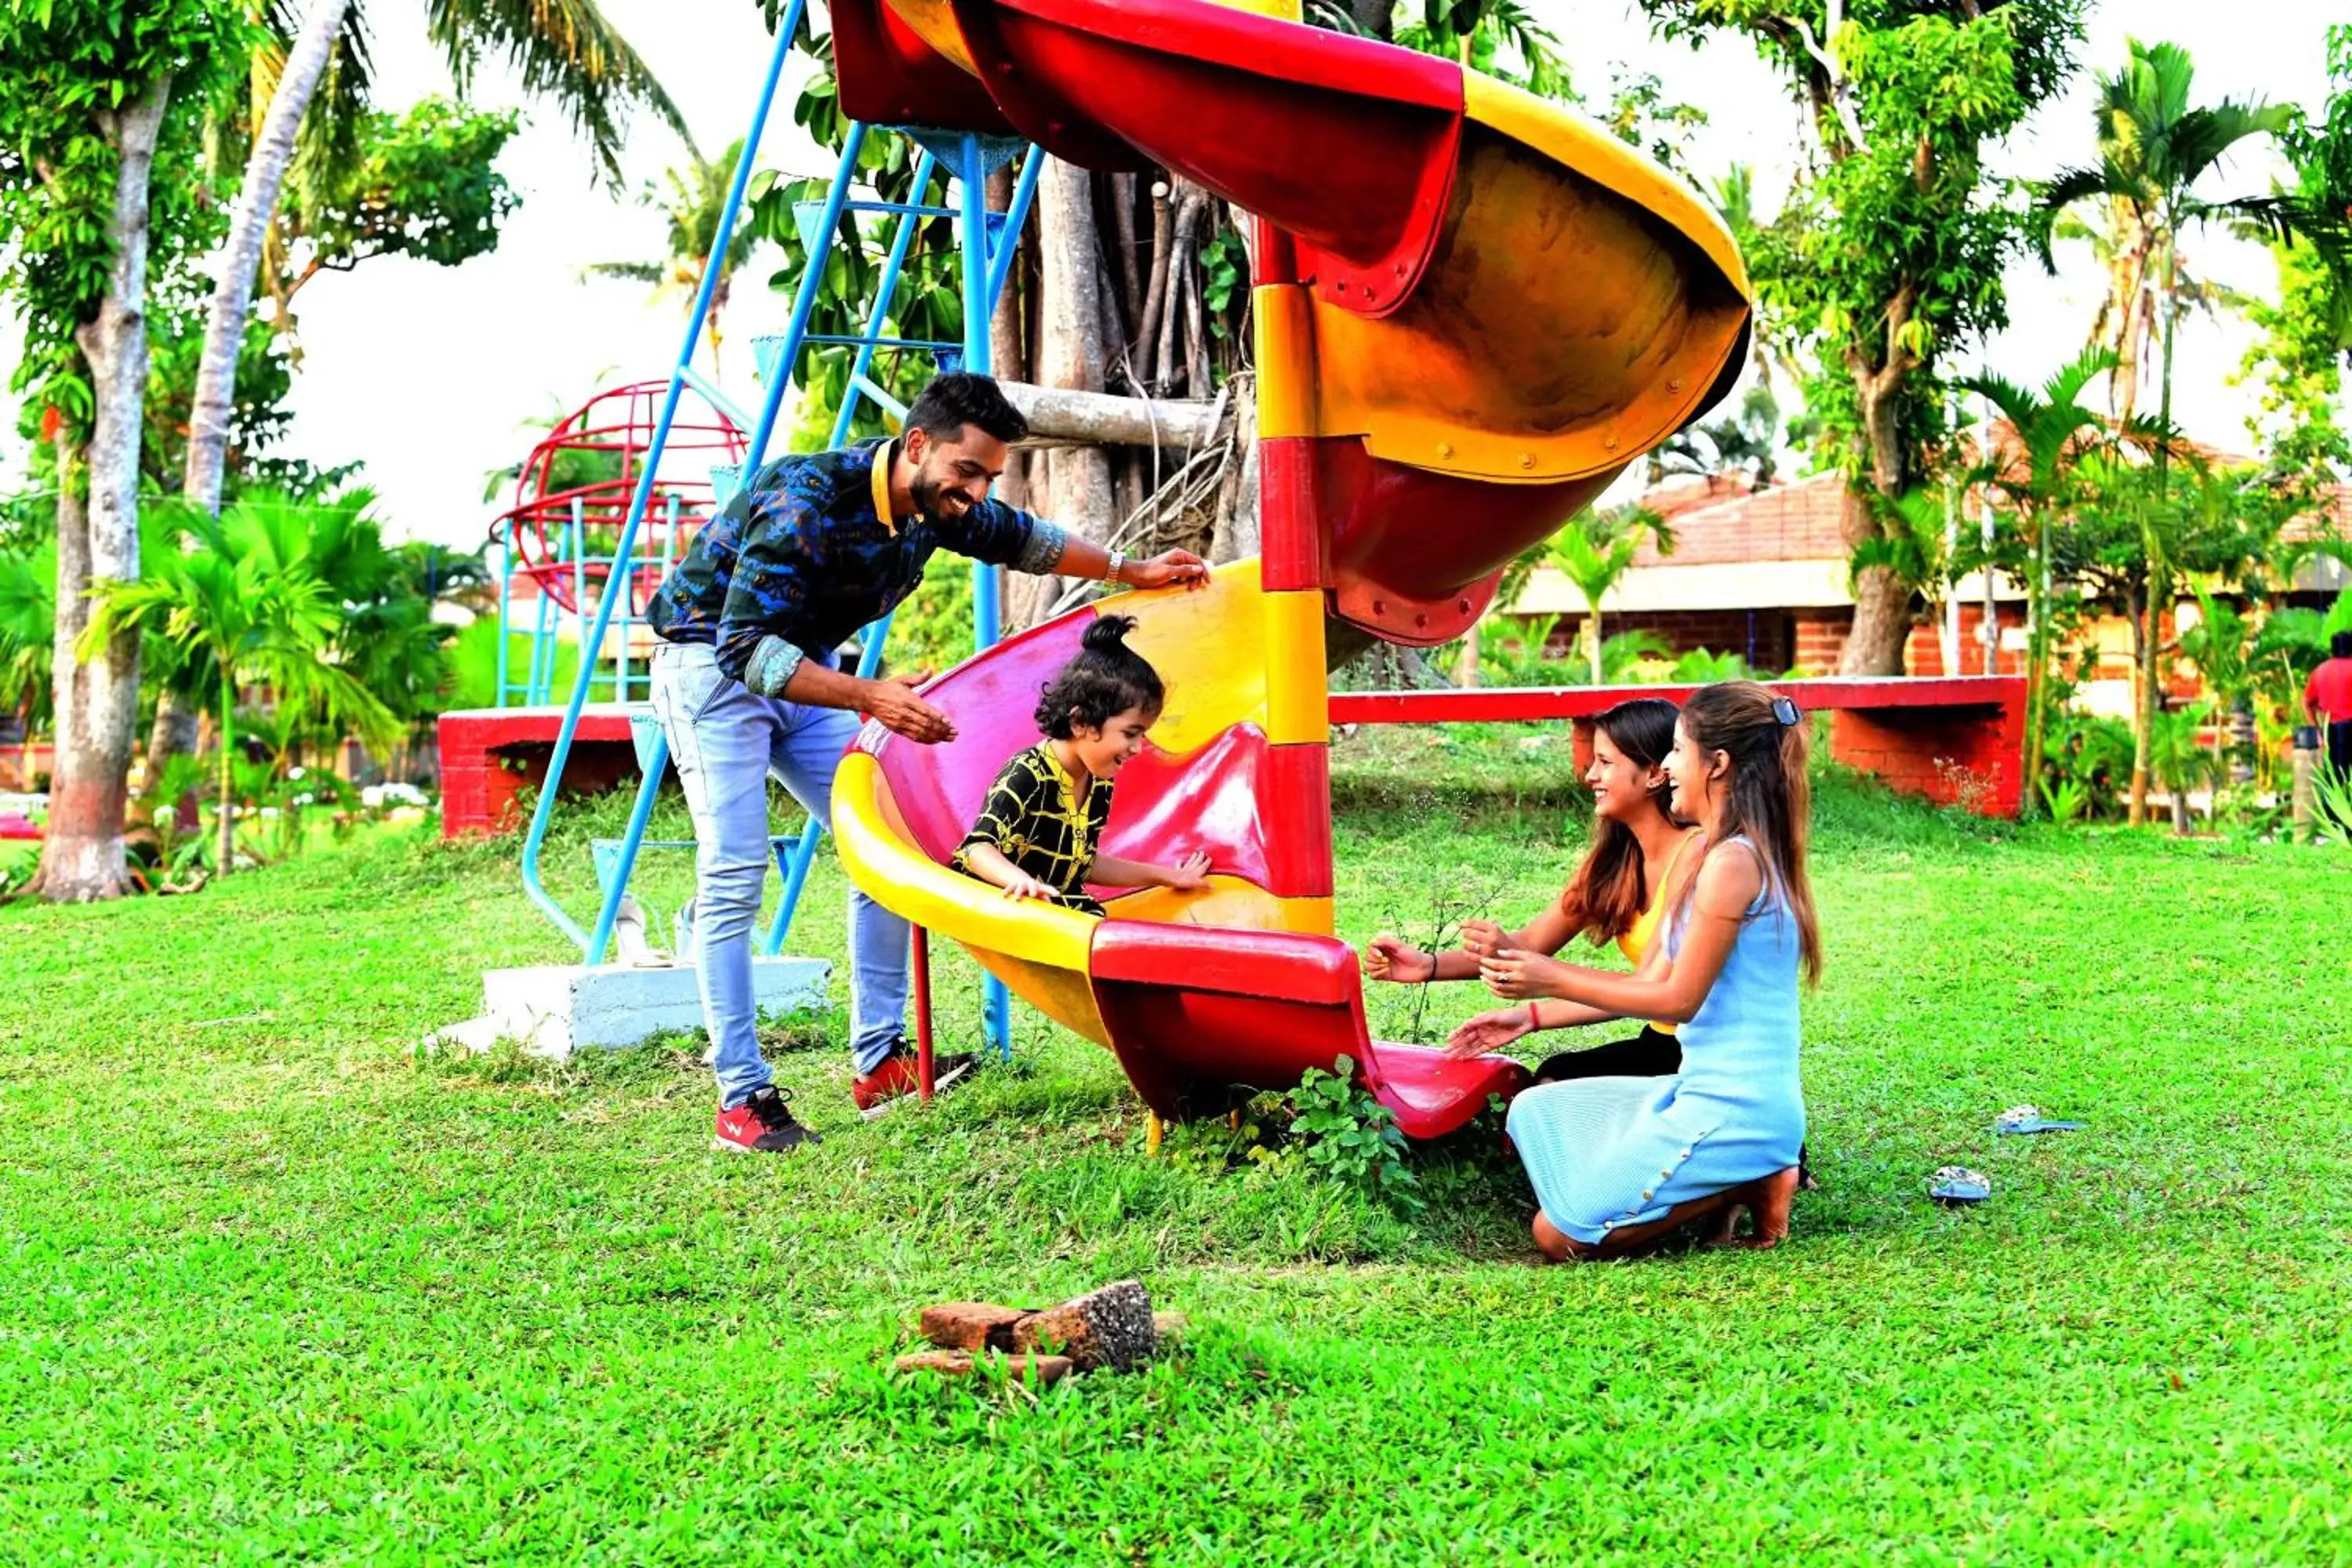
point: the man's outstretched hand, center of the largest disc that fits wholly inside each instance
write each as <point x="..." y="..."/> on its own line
<point x="894" y="702"/>
<point x="1175" y="568"/>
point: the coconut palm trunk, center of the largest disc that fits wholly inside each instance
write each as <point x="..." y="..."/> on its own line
<point x="227" y="738"/>
<point x="2151" y="691"/>
<point x="256" y="205"/>
<point x="96" y="702"/>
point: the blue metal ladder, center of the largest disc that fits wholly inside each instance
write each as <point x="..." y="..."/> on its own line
<point x="990" y="242"/>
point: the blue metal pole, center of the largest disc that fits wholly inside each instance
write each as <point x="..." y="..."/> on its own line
<point x="506" y="608"/>
<point x="542" y="643"/>
<point x="594" y="949"/>
<point x="579" y="591"/>
<point x="988" y="624"/>
<point x="869" y="658"/>
<point x="805" y="297"/>
<point x="884" y="292"/>
<point x="1016" y="218"/>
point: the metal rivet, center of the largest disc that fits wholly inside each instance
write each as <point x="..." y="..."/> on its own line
<point x="1400" y="268"/>
<point x="1420" y="620"/>
<point x="1648" y="1193"/>
<point x="1463" y="606"/>
<point x="1609" y="444"/>
<point x="1380" y="606"/>
<point x="1673" y="387"/>
<point x="1526" y="460"/>
<point x="1446" y="448"/>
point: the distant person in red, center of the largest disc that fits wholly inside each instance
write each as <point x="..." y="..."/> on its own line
<point x="2327" y="701"/>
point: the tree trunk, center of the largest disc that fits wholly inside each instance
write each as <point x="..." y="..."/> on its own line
<point x="257" y="205"/>
<point x="1155" y="294"/>
<point x="97" y="704"/>
<point x="1077" y="482"/>
<point x="1882" y="601"/>
<point x="1593" y="632"/>
<point x="1235" y="536"/>
<point x="2037" y="647"/>
<point x="1182" y="300"/>
<point x="227" y="822"/>
<point x="1107" y="419"/>
<point x="2151" y="696"/>
<point x="172" y="734"/>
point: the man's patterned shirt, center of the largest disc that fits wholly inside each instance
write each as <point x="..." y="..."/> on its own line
<point x="805" y="553"/>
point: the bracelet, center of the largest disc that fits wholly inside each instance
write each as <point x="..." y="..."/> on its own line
<point x="1535" y="1019"/>
<point x="1118" y="564"/>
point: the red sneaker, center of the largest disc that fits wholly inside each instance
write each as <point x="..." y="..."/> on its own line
<point x="761" y="1124"/>
<point x="877" y="1091"/>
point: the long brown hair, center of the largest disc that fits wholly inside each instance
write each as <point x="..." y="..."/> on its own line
<point x="1768" y="798"/>
<point x="1610" y="890"/>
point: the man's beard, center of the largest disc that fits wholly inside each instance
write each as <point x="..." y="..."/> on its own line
<point x="927" y="494"/>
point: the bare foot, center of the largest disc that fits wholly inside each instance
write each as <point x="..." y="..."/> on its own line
<point x="1766" y="1201"/>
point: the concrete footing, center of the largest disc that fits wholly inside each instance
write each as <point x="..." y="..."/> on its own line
<point x="554" y="1008"/>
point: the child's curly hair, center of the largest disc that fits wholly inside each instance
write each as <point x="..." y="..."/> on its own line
<point x="1105" y="679"/>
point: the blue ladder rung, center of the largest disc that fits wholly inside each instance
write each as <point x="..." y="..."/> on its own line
<point x="604" y="854"/>
<point x="918" y="209"/>
<point x="846" y="340"/>
<point x="865" y="386"/>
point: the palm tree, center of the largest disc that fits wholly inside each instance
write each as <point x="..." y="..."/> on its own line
<point x="2053" y="430"/>
<point x="2179" y="763"/>
<point x="696" y="195"/>
<point x="2129" y="314"/>
<point x="1596" y="548"/>
<point x="565" y="49"/>
<point x="2155" y="148"/>
<point x="252" y="612"/>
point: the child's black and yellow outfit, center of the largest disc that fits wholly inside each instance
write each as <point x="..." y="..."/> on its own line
<point x="1045" y="823"/>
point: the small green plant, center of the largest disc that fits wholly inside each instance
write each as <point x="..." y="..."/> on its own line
<point x="1351" y="1137"/>
<point x="2331" y="789"/>
<point x="2065" y="800"/>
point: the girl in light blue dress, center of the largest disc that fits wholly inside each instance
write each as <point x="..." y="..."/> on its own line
<point x="1619" y="1162"/>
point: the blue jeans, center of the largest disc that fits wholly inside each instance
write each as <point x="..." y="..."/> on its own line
<point x="725" y="739"/>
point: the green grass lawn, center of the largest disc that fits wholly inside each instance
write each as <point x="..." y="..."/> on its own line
<point x="273" y="1285"/>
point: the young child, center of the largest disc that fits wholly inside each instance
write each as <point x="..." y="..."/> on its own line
<point x="1037" y="834"/>
<point x="1619" y="1162"/>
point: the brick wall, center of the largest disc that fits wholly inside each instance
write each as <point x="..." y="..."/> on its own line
<point x="1924" y="653"/>
<point x="1762" y="638"/>
<point x="1820" y="638"/>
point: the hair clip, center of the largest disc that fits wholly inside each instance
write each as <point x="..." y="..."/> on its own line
<point x="1786" y="711"/>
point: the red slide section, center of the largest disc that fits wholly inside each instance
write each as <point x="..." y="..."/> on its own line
<point x="1204" y="1019"/>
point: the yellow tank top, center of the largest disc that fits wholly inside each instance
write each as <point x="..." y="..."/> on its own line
<point x="1635" y="943"/>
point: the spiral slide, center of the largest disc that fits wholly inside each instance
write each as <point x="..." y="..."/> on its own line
<point x="1474" y="309"/>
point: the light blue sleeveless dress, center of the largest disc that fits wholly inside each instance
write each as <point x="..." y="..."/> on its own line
<point x="1610" y="1152"/>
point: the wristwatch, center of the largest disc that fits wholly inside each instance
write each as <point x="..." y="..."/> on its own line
<point x="1118" y="564"/>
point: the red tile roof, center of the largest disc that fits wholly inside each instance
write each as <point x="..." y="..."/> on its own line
<point x="1797" y="521"/>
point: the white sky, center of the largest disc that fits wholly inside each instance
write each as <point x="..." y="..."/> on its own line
<point x="429" y="374"/>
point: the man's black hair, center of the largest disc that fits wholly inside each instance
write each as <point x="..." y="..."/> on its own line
<point x="2340" y="646"/>
<point x="959" y="398"/>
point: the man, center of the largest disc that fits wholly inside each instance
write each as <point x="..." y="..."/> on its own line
<point x="745" y="683"/>
<point x="2328" y="701"/>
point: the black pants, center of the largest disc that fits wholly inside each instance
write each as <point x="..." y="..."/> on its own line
<point x="2339" y="753"/>
<point x="1652" y="1053"/>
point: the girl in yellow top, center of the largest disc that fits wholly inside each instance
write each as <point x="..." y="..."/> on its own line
<point x="1628" y="879"/>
